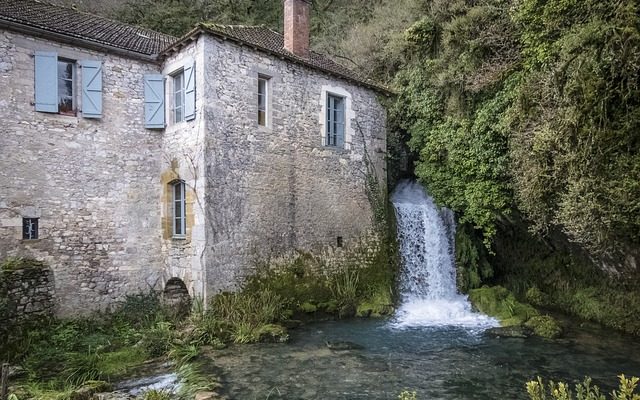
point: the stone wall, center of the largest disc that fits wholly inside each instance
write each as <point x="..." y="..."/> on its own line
<point x="275" y="190"/>
<point x="27" y="293"/>
<point x="100" y="187"/>
<point x="182" y="159"/>
<point x="93" y="184"/>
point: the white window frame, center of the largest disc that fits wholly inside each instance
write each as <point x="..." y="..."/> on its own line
<point x="74" y="81"/>
<point x="266" y="101"/>
<point x="349" y="115"/>
<point x="174" y="94"/>
<point x="182" y="233"/>
<point x="334" y="123"/>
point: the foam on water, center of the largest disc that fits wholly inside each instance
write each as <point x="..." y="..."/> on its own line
<point x="428" y="279"/>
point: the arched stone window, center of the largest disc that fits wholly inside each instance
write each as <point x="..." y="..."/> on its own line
<point x="178" y="210"/>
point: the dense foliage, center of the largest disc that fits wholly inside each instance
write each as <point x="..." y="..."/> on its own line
<point x="529" y="105"/>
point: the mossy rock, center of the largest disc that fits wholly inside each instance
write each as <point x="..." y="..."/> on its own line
<point x="329" y="307"/>
<point x="368" y="309"/>
<point x="514" y="331"/>
<point x="88" y="389"/>
<point x="272" y="333"/>
<point x="347" y="311"/>
<point x="500" y="303"/>
<point x="308" y="307"/>
<point x="545" y="326"/>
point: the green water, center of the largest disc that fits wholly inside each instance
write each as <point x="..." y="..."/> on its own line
<point x="437" y="362"/>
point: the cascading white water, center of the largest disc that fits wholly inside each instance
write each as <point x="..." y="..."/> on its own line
<point x="428" y="278"/>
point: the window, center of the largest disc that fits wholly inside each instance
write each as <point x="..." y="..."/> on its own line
<point x="29" y="228"/>
<point x="178" y="207"/>
<point x="335" y="121"/>
<point x="56" y="83"/>
<point x="263" y="93"/>
<point x="178" y="97"/>
<point x="66" y="78"/>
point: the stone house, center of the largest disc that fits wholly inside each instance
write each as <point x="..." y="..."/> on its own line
<point x="130" y="158"/>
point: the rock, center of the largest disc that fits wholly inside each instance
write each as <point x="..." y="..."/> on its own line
<point x="16" y="371"/>
<point x="545" y="326"/>
<point x="88" y="389"/>
<point x="272" y="333"/>
<point x="347" y="311"/>
<point x="111" y="396"/>
<point x="343" y="345"/>
<point x="515" y="331"/>
<point x="206" y="396"/>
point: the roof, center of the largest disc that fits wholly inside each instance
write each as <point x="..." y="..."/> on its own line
<point x="270" y="41"/>
<point x="66" y="24"/>
<point x="51" y="18"/>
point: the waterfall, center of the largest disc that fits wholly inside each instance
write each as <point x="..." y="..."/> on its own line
<point x="428" y="288"/>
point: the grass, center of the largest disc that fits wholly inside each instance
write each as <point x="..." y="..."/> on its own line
<point x="60" y="357"/>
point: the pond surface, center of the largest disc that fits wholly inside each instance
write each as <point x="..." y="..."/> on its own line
<point x="437" y="362"/>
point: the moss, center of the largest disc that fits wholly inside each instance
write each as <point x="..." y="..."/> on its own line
<point x="16" y="263"/>
<point x="500" y="303"/>
<point x="330" y="306"/>
<point x="557" y="275"/>
<point x="308" y="307"/>
<point x="272" y="333"/>
<point x="545" y="326"/>
<point x="379" y="304"/>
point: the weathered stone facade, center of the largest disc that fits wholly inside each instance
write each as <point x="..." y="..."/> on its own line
<point x="26" y="294"/>
<point x="101" y="188"/>
<point x="93" y="183"/>
<point x="275" y="189"/>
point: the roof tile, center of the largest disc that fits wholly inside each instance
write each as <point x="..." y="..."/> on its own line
<point x="273" y="42"/>
<point x="69" y="22"/>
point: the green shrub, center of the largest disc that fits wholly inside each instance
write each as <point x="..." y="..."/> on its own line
<point x="407" y="395"/>
<point x="536" y="297"/>
<point x="345" y="287"/>
<point x="140" y="310"/>
<point x="239" y="317"/>
<point x="584" y="391"/>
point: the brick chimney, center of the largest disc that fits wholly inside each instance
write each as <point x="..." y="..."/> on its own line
<point x="296" y="27"/>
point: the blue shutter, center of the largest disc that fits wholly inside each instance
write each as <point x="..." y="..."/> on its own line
<point x="154" y="101"/>
<point x="189" y="91"/>
<point x="46" y="81"/>
<point x="91" y="89"/>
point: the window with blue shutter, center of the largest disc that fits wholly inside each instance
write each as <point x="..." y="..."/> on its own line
<point x="335" y="121"/>
<point x="46" y="81"/>
<point x="91" y="89"/>
<point x="189" y="91"/>
<point x="154" y="101"/>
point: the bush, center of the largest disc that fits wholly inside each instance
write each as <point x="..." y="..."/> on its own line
<point x="584" y="391"/>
